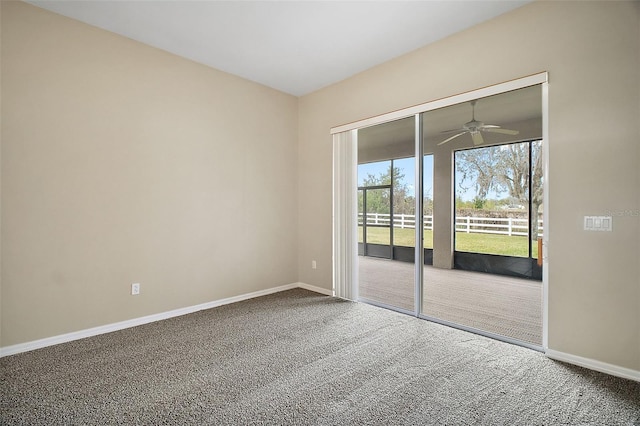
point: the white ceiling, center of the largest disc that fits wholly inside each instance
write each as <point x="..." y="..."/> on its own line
<point x="293" y="46"/>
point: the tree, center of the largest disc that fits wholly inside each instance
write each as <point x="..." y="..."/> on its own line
<point x="476" y="168"/>
<point x="504" y="168"/>
<point x="378" y="201"/>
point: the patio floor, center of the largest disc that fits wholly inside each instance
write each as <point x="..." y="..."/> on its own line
<point x="511" y="307"/>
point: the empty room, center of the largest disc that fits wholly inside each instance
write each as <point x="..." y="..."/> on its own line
<point x="320" y="212"/>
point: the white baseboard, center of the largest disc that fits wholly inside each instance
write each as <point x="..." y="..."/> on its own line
<point x="316" y="289"/>
<point x="592" y="364"/>
<point x="89" y="332"/>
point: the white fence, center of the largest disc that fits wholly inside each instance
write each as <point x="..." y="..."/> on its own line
<point x="468" y="224"/>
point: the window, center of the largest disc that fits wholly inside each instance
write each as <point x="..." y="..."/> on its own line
<point x="374" y="208"/>
<point x="498" y="193"/>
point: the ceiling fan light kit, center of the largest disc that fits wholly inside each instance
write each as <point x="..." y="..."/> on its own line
<point x="475" y="129"/>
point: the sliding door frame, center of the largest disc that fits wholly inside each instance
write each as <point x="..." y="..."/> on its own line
<point x="345" y="243"/>
<point x="419" y="198"/>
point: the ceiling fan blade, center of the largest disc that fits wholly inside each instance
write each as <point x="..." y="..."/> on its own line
<point x="451" y="130"/>
<point x="452" y="137"/>
<point x="477" y="138"/>
<point x="500" y="130"/>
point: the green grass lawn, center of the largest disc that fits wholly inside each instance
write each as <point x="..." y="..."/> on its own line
<point x="474" y="243"/>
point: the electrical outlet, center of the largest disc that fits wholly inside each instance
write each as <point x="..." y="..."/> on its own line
<point x="135" y="289"/>
<point x="313" y="264"/>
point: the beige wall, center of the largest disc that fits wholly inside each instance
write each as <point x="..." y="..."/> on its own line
<point x="122" y="163"/>
<point x="592" y="53"/>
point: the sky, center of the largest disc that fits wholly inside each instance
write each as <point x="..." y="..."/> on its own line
<point x="407" y="167"/>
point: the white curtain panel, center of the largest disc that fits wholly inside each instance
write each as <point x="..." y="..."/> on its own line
<point x="345" y="214"/>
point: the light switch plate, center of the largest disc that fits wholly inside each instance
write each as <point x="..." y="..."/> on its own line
<point x="598" y="223"/>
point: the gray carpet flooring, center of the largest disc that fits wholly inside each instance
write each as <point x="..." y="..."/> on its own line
<point x="297" y="357"/>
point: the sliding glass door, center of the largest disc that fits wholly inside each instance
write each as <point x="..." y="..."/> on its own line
<point x="386" y="215"/>
<point x="448" y="216"/>
<point x="487" y="194"/>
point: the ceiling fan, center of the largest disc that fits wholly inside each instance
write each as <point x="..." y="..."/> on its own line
<point x="475" y="128"/>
